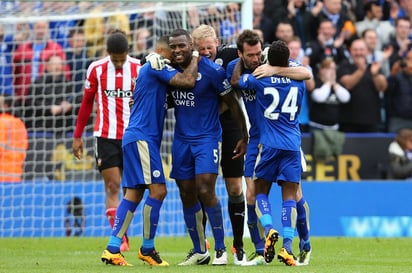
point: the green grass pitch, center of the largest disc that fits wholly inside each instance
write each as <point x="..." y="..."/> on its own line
<point x="82" y="254"/>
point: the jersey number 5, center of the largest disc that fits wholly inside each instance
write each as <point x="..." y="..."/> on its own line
<point x="289" y="105"/>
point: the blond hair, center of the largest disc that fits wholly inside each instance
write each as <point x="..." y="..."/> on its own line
<point x="203" y="31"/>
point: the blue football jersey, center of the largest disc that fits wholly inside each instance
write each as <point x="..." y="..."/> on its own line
<point x="278" y="102"/>
<point x="196" y="109"/>
<point x="149" y="108"/>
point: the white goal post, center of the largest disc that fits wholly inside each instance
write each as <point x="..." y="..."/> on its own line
<point x="56" y="191"/>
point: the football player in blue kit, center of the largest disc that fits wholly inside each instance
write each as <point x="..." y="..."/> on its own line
<point x="141" y="155"/>
<point x="195" y="149"/>
<point x="278" y="100"/>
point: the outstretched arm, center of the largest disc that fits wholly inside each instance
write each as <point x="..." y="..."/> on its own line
<point x="299" y="73"/>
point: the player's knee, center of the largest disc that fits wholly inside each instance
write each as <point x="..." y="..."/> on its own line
<point x="112" y="187"/>
<point x="159" y="193"/>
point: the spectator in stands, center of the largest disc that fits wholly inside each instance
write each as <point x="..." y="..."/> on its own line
<point x="29" y="59"/>
<point x="93" y="30"/>
<point x="142" y="42"/>
<point x="276" y="10"/>
<point x="21" y="33"/>
<point x="400" y="40"/>
<point x="365" y="81"/>
<point x="97" y="26"/>
<point x="399" y="96"/>
<point x="284" y="31"/>
<point x="49" y="100"/>
<point x="13" y="143"/>
<point x="400" y="155"/>
<point x="229" y="27"/>
<point x="373" y="20"/>
<point x="60" y="28"/>
<point x="370" y="36"/>
<point x="405" y="8"/>
<point x="118" y="20"/>
<point x="333" y="10"/>
<point x="110" y="81"/>
<point x="325" y="46"/>
<point x="77" y="59"/>
<point x="6" y="51"/>
<point x="262" y="22"/>
<point x="302" y="19"/>
<point x="326" y="98"/>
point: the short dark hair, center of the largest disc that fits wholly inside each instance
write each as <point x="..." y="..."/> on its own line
<point x="278" y="54"/>
<point x="180" y="32"/>
<point x="249" y="37"/>
<point x="163" y="40"/>
<point x="117" y="42"/>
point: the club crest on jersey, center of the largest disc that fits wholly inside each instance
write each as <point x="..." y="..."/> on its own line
<point x="156" y="173"/>
<point x="219" y="61"/>
<point x="87" y="84"/>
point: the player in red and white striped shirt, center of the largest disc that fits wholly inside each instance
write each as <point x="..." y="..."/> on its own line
<point x="110" y="81"/>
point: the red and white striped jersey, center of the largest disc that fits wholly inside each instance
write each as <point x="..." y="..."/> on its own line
<point x="112" y="89"/>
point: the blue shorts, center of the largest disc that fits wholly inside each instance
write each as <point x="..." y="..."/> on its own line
<point x="252" y="152"/>
<point x="276" y="165"/>
<point x="142" y="165"/>
<point x="190" y="159"/>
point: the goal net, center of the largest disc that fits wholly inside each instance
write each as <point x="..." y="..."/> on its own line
<point x="58" y="193"/>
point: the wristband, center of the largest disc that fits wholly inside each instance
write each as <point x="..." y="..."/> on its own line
<point x="195" y="53"/>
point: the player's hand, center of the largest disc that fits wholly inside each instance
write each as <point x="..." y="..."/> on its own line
<point x="265" y="70"/>
<point x="77" y="147"/>
<point x="131" y="102"/>
<point x="240" y="149"/>
<point x="264" y="56"/>
<point x="157" y="61"/>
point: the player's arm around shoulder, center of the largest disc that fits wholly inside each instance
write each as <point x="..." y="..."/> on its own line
<point x="187" y="79"/>
<point x="299" y="73"/>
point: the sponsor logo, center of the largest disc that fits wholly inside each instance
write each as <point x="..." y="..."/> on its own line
<point x="119" y="93"/>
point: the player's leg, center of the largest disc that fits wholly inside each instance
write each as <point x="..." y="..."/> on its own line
<point x="236" y="209"/>
<point x="232" y="173"/>
<point x="257" y="234"/>
<point x="109" y="160"/>
<point x="303" y="228"/>
<point x="151" y="163"/>
<point x="265" y="171"/>
<point x="184" y="172"/>
<point x="207" y="164"/>
<point x="193" y="215"/>
<point x="212" y="206"/>
<point x="124" y="214"/>
<point x="289" y="180"/>
<point x="302" y="223"/>
<point x="256" y="231"/>
<point x="288" y="220"/>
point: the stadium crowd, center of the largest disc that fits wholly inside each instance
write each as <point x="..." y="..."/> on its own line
<point x="376" y="72"/>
